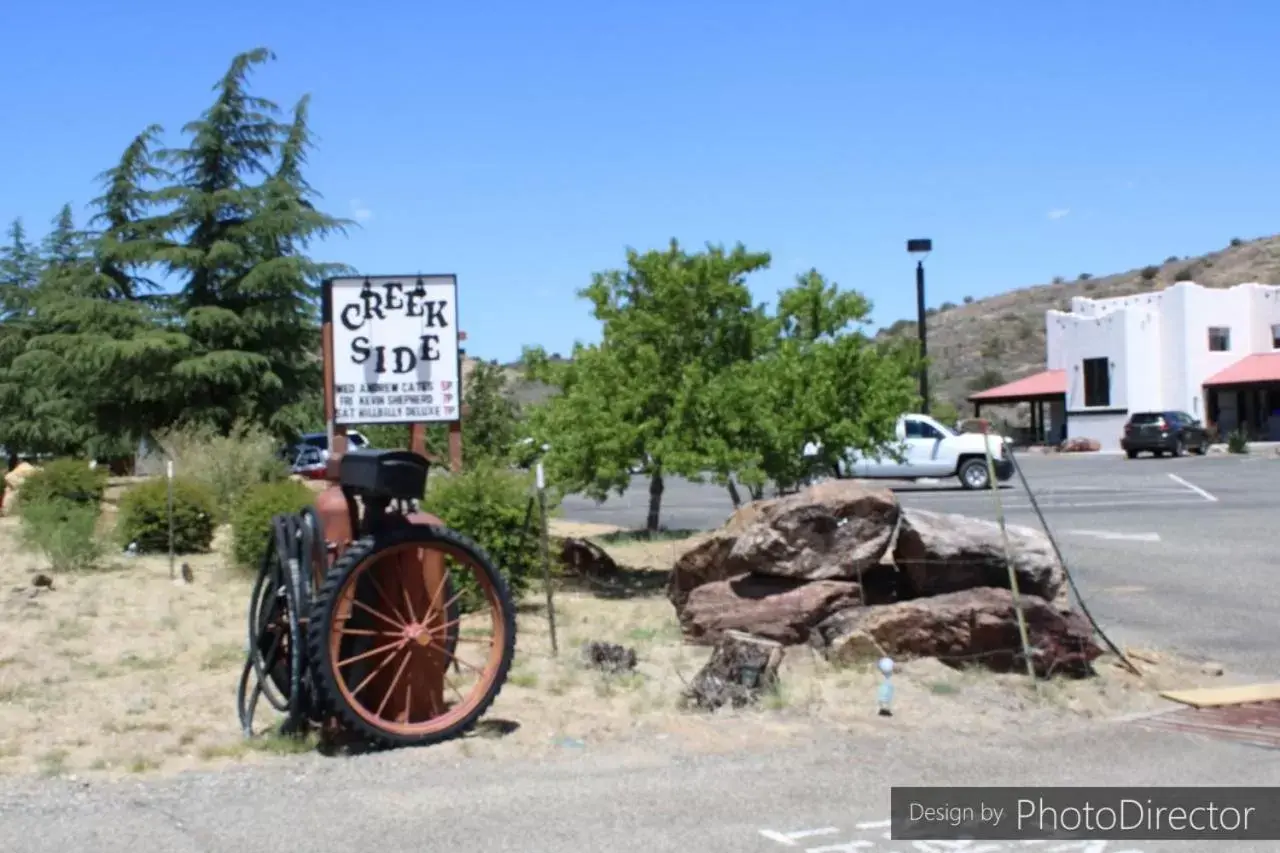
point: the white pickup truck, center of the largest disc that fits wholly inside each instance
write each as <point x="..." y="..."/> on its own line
<point x="931" y="450"/>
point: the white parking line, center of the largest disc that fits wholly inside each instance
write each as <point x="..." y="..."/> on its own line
<point x="1199" y="491"/>
<point x="1123" y="537"/>
<point x="792" y="839"/>
<point x="1014" y="504"/>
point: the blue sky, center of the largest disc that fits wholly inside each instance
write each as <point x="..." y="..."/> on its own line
<point x="525" y="145"/>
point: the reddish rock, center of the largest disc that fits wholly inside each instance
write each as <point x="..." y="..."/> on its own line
<point x="834" y="530"/>
<point x="975" y="626"/>
<point x="584" y="558"/>
<point x="1080" y="445"/>
<point x="701" y="564"/>
<point x="942" y="552"/>
<point x="779" y="609"/>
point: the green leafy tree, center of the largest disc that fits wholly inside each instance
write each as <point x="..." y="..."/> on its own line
<point x="673" y="322"/>
<point x="491" y="423"/>
<point x="820" y="380"/>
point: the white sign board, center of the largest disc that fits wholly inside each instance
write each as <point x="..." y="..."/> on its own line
<point x="394" y="343"/>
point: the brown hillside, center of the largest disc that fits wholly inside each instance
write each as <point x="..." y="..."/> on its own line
<point x="1001" y="338"/>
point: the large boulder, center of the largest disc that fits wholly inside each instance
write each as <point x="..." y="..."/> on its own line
<point x="939" y="553"/>
<point x="835" y="530"/>
<point x="974" y="626"/>
<point x="779" y="609"/>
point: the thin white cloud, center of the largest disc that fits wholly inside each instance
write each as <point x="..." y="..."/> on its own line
<point x="1059" y="212"/>
<point x="359" y="211"/>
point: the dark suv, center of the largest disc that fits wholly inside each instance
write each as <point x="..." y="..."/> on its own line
<point x="1164" y="432"/>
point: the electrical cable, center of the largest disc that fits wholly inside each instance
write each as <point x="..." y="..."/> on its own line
<point x="1084" y="609"/>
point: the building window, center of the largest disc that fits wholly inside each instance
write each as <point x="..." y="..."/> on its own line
<point x="1219" y="339"/>
<point x="1275" y="335"/>
<point x="1097" y="382"/>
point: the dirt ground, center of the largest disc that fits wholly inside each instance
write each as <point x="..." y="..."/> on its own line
<point x="122" y="671"/>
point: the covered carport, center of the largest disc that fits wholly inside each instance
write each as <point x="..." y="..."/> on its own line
<point x="1246" y="395"/>
<point x="1045" y="392"/>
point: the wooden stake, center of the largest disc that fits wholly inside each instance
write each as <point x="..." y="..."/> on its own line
<point x="545" y="548"/>
<point x="455" y="446"/>
<point x="1008" y="559"/>
<point x="418" y="439"/>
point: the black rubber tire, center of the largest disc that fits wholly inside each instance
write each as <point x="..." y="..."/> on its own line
<point x="322" y="613"/>
<point x="264" y="607"/>
<point x="1179" y="449"/>
<point x="1132" y="454"/>
<point x="968" y="464"/>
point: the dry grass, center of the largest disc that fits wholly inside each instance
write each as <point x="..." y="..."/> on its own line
<point x="119" y="670"/>
<point x="122" y="672"/>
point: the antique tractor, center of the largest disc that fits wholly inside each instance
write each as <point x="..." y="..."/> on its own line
<point x="374" y="618"/>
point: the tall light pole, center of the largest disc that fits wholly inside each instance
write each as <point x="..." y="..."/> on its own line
<point x="921" y="247"/>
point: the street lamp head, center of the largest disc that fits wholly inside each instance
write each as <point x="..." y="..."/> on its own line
<point x="919" y="245"/>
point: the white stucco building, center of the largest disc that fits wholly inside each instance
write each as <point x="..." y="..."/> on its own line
<point x="1211" y="352"/>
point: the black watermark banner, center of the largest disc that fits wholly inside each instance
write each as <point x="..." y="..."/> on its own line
<point x="1098" y="814"/>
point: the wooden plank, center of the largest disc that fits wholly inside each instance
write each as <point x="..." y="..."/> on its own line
<point x="1212" y="697"/>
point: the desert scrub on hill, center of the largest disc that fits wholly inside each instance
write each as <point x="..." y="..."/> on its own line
<point x="251" y="517"/>
<point x="144" y="516"/>
<point x="228" y="464"/>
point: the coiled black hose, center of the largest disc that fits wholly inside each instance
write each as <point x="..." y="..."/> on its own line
<point x="281" y="596"/>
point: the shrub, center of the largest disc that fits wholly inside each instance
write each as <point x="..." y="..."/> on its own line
<point x="225" y="464"/>
<point x="65" y="480"/>
<point x="144" y="516"/>
<point x="64" y="531"/>
<point x="1187" y="273"/>
<point x="251" y="517"/>
<point x="1238" y="441"/>
<point x="487" y="502"/>
<point x="1149" y="273"/>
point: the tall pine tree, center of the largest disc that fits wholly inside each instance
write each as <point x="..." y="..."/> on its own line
<point x="131" y="232"/>
<point x="248" y="292"/>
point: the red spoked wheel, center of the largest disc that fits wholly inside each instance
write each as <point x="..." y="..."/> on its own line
<point x="411" y="636"/>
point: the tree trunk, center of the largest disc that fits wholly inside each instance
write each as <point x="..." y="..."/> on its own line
<point x="757" y="492"/>
<point x="733" y="494"/>
<point x="655" y="499"/>
<point x="741" y="668"/>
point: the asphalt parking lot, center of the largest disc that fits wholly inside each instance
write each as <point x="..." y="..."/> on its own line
<point x="1173" y="553"/>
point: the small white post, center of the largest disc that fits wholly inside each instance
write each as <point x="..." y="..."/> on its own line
<point x="168" y="473"/>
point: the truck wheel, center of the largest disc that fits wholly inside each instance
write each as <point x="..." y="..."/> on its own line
<point x="974" y="474"/>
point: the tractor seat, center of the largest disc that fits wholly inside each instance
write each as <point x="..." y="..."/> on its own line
<point x="384" y="474"/>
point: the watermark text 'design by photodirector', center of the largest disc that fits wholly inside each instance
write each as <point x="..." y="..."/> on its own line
<point x="1135" y="814"/>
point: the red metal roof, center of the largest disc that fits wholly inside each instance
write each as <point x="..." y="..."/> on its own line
<point x="1259" y="367"/>
<point x="1044" y="384"/>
